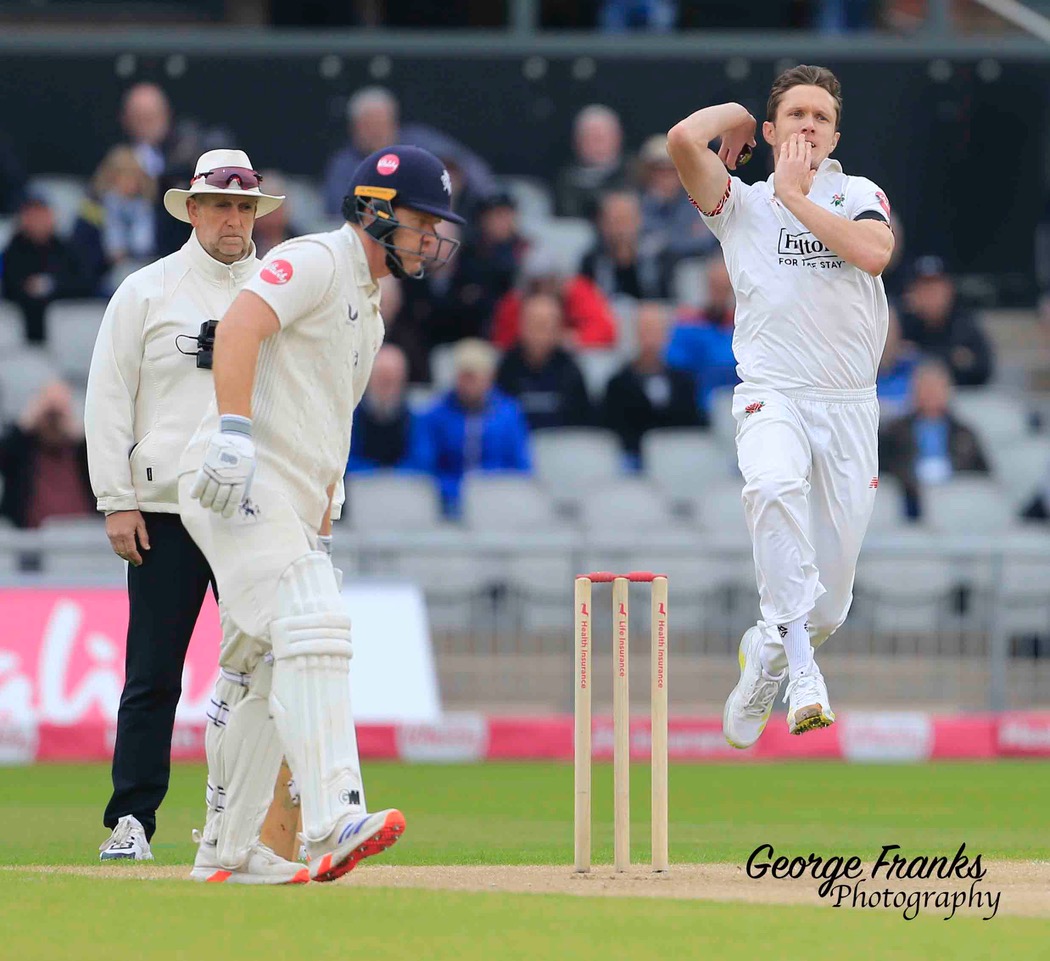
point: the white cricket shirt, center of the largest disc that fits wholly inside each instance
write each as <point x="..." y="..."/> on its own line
<point x="804" y="316"/>
<point x="312" y="373"/>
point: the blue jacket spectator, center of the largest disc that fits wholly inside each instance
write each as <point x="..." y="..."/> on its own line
<point x="374" y="123"/>
<point x="474" y="427"/>
<point x="702" y="343"/>
<point x="387" y="433"/>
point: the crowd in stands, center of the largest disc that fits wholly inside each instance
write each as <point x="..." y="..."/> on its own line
<point x="630" y="330"/>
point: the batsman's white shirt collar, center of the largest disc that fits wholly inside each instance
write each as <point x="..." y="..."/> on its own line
<point x="362" y="272"/>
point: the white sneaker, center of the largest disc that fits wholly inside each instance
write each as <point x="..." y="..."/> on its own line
<point x="262" y="866"/>
<point x="749" y="706"/>
<point x="126" y="843"/>
<point x="807" y="697"/>
<point x="355" y="837"/>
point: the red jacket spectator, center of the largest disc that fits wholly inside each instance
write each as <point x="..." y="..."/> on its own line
<point x="589" y="319"/>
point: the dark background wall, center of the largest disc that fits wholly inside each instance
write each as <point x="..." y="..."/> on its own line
<point x="959" y="146"/>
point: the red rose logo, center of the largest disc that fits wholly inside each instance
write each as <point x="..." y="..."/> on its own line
<point x="388" y="163"/>
<point x="277" y="272"/>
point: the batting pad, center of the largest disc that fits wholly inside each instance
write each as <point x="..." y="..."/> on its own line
<point x="310" y="699"/>
<point x="251" y="757"/>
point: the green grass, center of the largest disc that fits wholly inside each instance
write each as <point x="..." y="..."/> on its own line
<point x="522" y="814"/>
<point x="118" y="920"/>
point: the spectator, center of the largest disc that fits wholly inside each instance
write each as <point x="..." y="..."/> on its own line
<point x="935" y="323"/>
<point x="146" y="118"/>
<point x="276" y="227"/>
<point x="597" y="141"/>
<point x="670" y="223"/>
<point x="895" y="371"/>
<point x="43" y="462"/>
<point x="646" y="393"/>
<point x="622" y="262"/>
<point x="386" y="432"/>
<point x="374" y="122"/>
<point x="540" y="373"/>
<point x="166" y="149"/>
<point x="39" y="267"/>
<point x="617" y="16"/>
<point x="929" y="446"/>
<point x="490" y="260"/>
<point x="116" y="230"/>
<point x="12" y="177"/>
<point x="475" y="426"/>
<point x="588" y="317"/>
<point x="702" y="342"/>
<point x="403" y="330"/>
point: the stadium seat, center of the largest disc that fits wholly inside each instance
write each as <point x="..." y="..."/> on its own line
<point x="443" y="366"/>
<point x="1022" y="467"/>
<point x="392" y="501"/>
<point x="570" y="462"/>
<point x="598" y="367"/>
<point x="906" y="590"/>
<point x="12" y="328"/>
<point x="689" y="282"/>
<point x="72" y="328"/>
<point x="65" y="194"/>
<point x="506" y="502"/>
<point x="888" y="513"/>
<point x="683" y="461"/>
<point x="626" y="310"/>
<point x="720" y="411"/>
<point x="566" y="239"/>
<point x="719" y="510"/>
<point x="626" y="505"/>
<point x="23" y="373"/>
<point x="532" y="197"/>
<point x="998" y="418"/>
<point x="967" y="505"/>
<point x="306" y="206"/>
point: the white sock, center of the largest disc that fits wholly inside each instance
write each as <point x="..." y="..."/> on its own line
<point x="796" y="645"/>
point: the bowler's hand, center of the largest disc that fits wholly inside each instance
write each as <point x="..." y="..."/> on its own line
<point x="126" y="531"/>
<point x="225" y="476"/>
<point x="734" y="140"/>
<point x="794" y="173"/>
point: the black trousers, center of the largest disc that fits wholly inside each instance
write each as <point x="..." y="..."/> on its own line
<point x="165" y="593"/>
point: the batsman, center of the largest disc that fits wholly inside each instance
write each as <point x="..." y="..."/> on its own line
<point x="293" y="355"/>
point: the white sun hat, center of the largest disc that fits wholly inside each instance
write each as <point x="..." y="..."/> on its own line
<point x="221" y="172"/>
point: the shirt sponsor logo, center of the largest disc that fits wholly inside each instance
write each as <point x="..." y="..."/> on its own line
<point x="388" y="164"/>
<point x="805" y="249"/>
<point x="277" y="272"/>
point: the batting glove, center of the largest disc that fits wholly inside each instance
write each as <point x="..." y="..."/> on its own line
<point x="225" y="476"/>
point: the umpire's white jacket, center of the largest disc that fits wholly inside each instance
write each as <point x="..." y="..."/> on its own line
<point x="144" y="398"/>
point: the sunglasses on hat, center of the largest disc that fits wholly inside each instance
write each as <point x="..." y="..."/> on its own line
<point x="222" y="177"/>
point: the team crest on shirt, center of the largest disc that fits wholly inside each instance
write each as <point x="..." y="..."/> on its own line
<point x="838" y="200"/>
<point x="754" y="408"/>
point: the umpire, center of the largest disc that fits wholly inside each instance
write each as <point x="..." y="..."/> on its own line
<point x="149" y="386"/>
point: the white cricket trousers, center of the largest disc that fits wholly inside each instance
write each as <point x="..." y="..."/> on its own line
<point x="809" y="458"/>
<point x="248" y="553"/>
